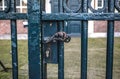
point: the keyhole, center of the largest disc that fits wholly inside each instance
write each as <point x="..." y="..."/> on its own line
<point x="48" y="52"/>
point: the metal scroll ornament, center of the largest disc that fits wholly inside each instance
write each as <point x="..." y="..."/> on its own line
<point x="99" y="9"/>
<point x="8" y="2"/>
<point x="117" y="5"/>
<point x="67" y="9"/>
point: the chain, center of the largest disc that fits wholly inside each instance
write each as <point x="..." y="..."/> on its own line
<point x="59" y="36"/>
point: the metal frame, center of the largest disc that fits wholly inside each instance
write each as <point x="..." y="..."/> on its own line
<point x="36" y="17"/>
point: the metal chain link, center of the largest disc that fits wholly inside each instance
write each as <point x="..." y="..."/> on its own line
<point x="59" y="36"/>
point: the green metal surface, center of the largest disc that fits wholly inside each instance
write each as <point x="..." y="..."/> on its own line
<point x="34" y="39"/>
<point x="42" y="25"/>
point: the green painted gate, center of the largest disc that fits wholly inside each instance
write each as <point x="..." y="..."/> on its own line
<point x="46" y="34"/>
<point x="72" y="28"/>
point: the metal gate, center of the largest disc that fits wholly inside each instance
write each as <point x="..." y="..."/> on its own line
<point x="42" y="26"/>
<point x="72" y="27"/>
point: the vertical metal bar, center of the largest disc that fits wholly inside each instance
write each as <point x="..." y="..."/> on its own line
<point x="60" y="46"/>
<point x="43" y="63"/>
<point x="14" y="49"/>
<point x="34" y="38"/>
<point x="84" y="41"/>
<point x="14" y="43"/>
<point x="110" y="42"/>
<point x="61" y="61"/>
<point x="44" y="70"/>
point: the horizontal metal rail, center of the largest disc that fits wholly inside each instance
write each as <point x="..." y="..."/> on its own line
<point x="64" y="16"/>
<point x="15" y="16"/>
<point x="81" y="16"/>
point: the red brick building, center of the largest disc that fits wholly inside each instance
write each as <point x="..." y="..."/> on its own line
<point x="5" y="27"/>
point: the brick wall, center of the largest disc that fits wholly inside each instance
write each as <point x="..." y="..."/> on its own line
<point x="6" y="29"/>
<point x="101" y="26"/>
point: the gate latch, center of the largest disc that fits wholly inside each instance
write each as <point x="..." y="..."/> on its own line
<point x="50" y="46"/>
<point x="59" y="36"/>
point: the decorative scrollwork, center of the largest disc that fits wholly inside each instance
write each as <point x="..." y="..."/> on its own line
<point x="8" y="2"/>
<point x="117" y="5"/>
<point x="67" y="9"/>
<point x="99" y="9"/>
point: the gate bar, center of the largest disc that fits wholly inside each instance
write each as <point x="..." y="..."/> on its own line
<point x="43" y="63"/>
<point x="15" y="16"/>
<point x="64" y="16"/>
<point x="80" y="16"/>
<point x="14" y="43"/>
<point x="34" y="38"/>
<point x="84" y="41"/>
<point x="110" y="43"/>
<point x="60" y="45"/>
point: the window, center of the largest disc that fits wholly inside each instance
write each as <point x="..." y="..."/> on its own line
<point x="21" y="5"/>
<point x="100" y="4"/>
<point x="2" y="5"/>
<point x="119" y="2"/>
